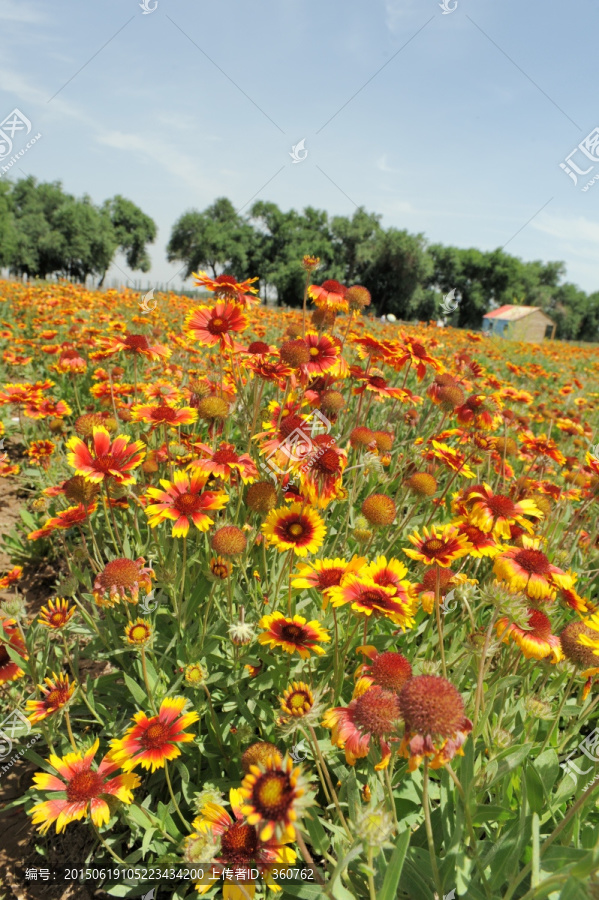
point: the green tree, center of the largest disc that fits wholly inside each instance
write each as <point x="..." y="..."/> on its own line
<point x="398" y="273"/>
<point x="133" y="231"/>
<point x="280" y="241"/>
<point x="355" y="242"/>
<point x="216" y="239"/>
<point x="8" y="234"/>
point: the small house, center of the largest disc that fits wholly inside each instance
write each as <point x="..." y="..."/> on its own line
<point x="520" y="323"/>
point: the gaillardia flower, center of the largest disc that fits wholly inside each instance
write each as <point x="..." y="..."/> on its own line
<point x="367" y="598"/>
<point x="296" y="528"/>
<point x="294" y="635"/>
<point x="441" y="545"/>
<point x="435" y="725"/>
<point x="84" y="791"/>
<point x="297" y="700"/>
<point x="537" y="641"/>
<point x="240" y="847"/>
<point x="153" y="741"/>
<point x="121" y="579"/>
<point x="183" y="501"/>
<point x="372" y="714"/>
<point x="56" y="693"/>
<point x="274" y="794"/>
<point x="110" y="459"/>
<point x="56" y="614"/>
<point x="527" y="569"/>
<point x="212" y="325"/>
<point x="495" y="513"/>
<point x="389" y="670"/>
<point x="10" y="636"/>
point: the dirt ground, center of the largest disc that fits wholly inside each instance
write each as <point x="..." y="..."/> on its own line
<point x="18" y="840"/>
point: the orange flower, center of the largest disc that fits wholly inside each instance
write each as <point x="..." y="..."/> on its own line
<point x="329" y="295"/>
<point x="151" y="742"/>
<point x="184" y="500"/>
<point x="537" y="641"/>
<point x="134" y="343"/>
<point x="373" y="714"/>
<point x="84" y="790"/>
<point x="211" y="325"/>
<point x="115" y="459"/>
<point x="226" y="286"/>
<point x="527" y="569"/>
<point x="495" y="513"/>
<point x="441" y="545"/>
<point x="10" y="636"/>
<point x="56" y="693"/>
<point x="225" y="463"/>
<point x="164" y="414"/>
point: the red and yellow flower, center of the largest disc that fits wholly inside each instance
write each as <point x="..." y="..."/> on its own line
<point x="367" y="598"/>
<point x="536" y="641"/>
<point x="273" y="796"/>
<point x="240" y="847"/>
<point x="10" y="636"/>
<point x="296" y="528"/>
<point x="374" y="713"/>
<point x="183" y="501"/>
<point x="84" y="791"/>
<point x="107" y="459"/>
<point x="293" y="634"/>
<point x="57" y="613"/>
<point x="494" y="513"/>
<point x="152" y="741"/>
<point x="225" y="463"/>
<point x="434" y="720"/>
<point x="212" y="325"/>
<point x="56" y="693"/>
<point x="528" y="569"/>
<point x="165" y="415"/>
<point x="440" y="546"/>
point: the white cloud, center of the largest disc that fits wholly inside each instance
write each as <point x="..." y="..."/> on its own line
<point x="572" y="231"/>
<point x="11" y="11"/>
<point x="383" y="166"/>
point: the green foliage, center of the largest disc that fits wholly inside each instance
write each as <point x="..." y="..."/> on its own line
<point x="45" y="231"/>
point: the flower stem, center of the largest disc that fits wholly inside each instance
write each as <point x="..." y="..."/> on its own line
<point x="175" y="804"/>
<point x="429" y="831"/>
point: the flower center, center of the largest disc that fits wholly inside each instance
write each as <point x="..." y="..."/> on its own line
<point x="84" y="786"/>
<point x="378" y="382"/>
<point x="433" y="546"/>
<point x="138" y="633"/>
<point x="154" y="736"/>
<point x="291" y="632"/>
<point x="164" y="414"/>
<point x="314" y="351"/>
<point x="136" y="342"/>
<point x="533" y="561"/>
<point x="299" y="700"/>
<point x="57" y="619"/>
<point x="105" y="463"/>
<point x="218" y="325"/>
<point x="329" y="578"/>
<point x="376" y="712"/>
<point x="272" y="796"/>
<point x="501" y="507"/>
<point x="225" y="456"/>
<point x="239" y="843"/>
<point x="296" y="529"/>
<point x="328" y="462"/>
<point x="4" y="657"/>
<point x="187" y="503"/>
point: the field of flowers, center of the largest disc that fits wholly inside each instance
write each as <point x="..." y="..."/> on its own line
<point x="325" y="615"/>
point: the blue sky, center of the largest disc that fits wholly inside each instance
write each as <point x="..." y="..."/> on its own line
<point x="452" y="124"/>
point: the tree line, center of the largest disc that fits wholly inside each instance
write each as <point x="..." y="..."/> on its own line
<point x="45" y="232"/>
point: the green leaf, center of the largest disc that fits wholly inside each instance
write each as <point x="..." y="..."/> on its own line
<point x="138" y="694"/>
<point x="318" y="836"/>
<point x="507" y="761"/>
<point x="534" y="789"/>
<point x="395" y="866"/>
